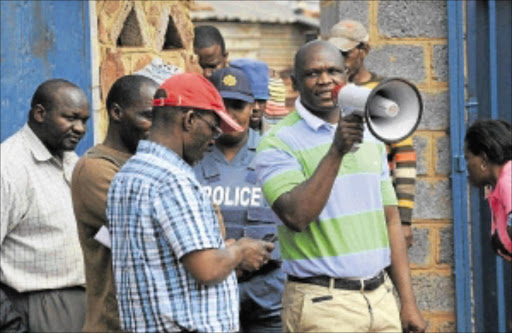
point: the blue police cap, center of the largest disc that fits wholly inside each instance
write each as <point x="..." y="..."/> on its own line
<point x="258" y="74"/>
<point x="232" y="83"/>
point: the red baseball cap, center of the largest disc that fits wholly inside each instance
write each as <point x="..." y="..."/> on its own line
<point x="194" y="91"/>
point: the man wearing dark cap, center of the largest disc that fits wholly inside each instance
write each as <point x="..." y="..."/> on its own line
<point x="172" y="269"/>
<point x="210" y="48"/>
<point x="259" y="76"/>
<point x="129" y="103"/>
<point x="352" y="39"/>
<point x="228" y="178"/>
<point x="42" y="268"/>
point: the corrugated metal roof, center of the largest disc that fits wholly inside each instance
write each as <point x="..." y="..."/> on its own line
<point x="250" y="11"/>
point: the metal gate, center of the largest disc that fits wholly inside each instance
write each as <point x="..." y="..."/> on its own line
<point x="42" y="40"/>
<point x="483" y="281"/>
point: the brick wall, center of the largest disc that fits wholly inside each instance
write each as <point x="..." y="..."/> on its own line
<point x="409" y="40"/>
<point x="128" y="35"/>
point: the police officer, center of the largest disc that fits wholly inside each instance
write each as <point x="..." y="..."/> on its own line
<point x="259" y="78"/>
<point x="229" y="179"/>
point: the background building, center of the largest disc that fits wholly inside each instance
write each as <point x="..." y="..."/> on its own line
<point x="458" y="53"/>
<point x="270" y="31"/>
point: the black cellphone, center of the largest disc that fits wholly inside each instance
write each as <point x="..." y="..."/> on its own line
<point x="270" y="238"/>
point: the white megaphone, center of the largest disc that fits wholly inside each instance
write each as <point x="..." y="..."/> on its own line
<point x="392" y="109"/>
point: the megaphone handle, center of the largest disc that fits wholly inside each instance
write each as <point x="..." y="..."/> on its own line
<point x="347" y="112"/>
<point x="355" y="147"/>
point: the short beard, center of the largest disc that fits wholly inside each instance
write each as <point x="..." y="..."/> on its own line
<point x="229" y="140"/>
<point x="194" y="152"/>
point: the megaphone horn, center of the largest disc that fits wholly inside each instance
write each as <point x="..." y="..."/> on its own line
<point x="392" y="110"/>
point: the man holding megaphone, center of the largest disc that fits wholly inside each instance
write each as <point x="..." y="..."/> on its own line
<point x="352" y="39"/>
<point x="327" y="178"/>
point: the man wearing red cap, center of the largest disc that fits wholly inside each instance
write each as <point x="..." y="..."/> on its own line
<point x="173" y="270"/>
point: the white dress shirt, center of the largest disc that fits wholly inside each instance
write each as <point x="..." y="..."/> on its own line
<point x="39" y="247"/>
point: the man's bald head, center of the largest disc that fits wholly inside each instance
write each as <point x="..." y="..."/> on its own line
<point x="127" y="91"/>
<point x="129" y="105"/>
<point x="309" y="49"/>
<point x="46" y="93"/>
<point x="318" y="69"/>
<point x="58" y="115"/>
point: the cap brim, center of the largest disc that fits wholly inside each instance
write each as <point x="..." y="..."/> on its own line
<point x="343" y="44"/>
<point x="262" y="96"/>
<point x="228" y="124"/>
<point x="237" y="95"/>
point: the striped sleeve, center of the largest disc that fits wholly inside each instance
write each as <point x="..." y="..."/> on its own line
<point x="277" y="168"/>
<point x="386" y="186"/>
<point x="403" y="161"/>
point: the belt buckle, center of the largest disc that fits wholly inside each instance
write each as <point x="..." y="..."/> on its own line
<point x="374" y="279"/>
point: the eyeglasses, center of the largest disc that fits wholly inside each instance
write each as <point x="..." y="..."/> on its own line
<point x="217" y="131"/>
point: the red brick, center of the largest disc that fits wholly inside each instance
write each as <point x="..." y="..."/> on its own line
<point x="103" y="34"/>
<point x="111" y="6"/>
<point x="140" y="62"/>
<point x="191" y="63"/>
<point x="111" y="69"/>
<point x="181" y="20"/>
<point x="153" y="21"/>
<point x="154" y="9"/>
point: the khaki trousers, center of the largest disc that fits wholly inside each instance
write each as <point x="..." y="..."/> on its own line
<point x="312" y="308"/>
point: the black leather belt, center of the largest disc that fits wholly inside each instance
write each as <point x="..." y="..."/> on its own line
<point x="340" y="283"/>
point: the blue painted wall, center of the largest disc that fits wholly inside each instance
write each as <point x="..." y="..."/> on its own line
<point x="42" y="40"/>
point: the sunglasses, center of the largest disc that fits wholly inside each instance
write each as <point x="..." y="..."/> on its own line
<point x="217" y="131"/>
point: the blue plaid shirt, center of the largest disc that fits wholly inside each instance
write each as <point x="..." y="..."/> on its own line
<point x="158" y="214"/>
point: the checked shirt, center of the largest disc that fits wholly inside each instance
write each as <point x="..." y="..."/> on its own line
<point x="158" y="214"/>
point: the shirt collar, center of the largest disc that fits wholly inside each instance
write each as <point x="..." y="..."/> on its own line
<point x="252" y="144"/>
<point x="42" y="154"/>
<point x="156" y="149"/>
<point x="36" y="146"/>
<point x="311" y="120"/>
<point x="506" y="169"/>
<point x="253" y="140"/>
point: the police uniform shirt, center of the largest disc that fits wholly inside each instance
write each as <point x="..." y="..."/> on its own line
<point x="232" y="185"/>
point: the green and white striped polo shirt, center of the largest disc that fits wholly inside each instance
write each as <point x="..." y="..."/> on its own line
<point x="349" y="238"/>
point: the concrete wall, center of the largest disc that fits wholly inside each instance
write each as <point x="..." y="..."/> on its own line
<point x="128" y="34"/>
<point x="409" y="40"/>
